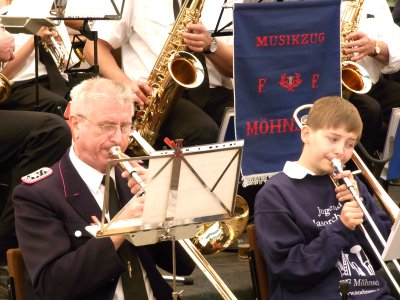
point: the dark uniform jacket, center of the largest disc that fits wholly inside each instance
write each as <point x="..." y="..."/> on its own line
<point x="63" y="260"/>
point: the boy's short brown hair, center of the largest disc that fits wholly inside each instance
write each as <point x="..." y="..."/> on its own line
<point x="334" y="112"/>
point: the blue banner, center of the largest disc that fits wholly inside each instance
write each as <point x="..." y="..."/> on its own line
<point x="286" y="54"/>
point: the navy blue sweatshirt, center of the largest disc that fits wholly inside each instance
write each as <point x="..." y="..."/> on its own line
<point x="308" y="249"/>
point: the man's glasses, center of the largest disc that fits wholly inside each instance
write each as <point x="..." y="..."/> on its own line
<point x="112" y="128"/>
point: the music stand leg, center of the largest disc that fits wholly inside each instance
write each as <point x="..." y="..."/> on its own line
<point x="175" y="294"/>
<point x="36" y="40"/>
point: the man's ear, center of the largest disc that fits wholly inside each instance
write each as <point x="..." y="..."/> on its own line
<point x="74" y="124"/>
<point x="305" y="134"/>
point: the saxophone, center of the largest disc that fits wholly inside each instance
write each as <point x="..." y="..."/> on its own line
<point x="174" y="70"/>
<point x="355" y="79"/>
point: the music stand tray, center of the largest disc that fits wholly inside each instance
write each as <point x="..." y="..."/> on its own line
<point x="26" y="25"/>
<point x="186" y="187"/>
<point x="392" y="249"/>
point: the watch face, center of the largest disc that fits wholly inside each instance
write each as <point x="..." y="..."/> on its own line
<point x="213" y="45"/>
<point x="377" y="49"/>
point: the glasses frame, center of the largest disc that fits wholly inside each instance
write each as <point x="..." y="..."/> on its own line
<point x="112" y="127"/>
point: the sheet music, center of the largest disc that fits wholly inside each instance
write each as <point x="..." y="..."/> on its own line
<point x="30" y="8"/>
<point x="89" y="8"/>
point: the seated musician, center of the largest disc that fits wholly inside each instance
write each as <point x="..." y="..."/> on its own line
<point x="65" y="262"/>
<point x="29" y="140"/>
<point x="141" y="34"/>
<point x="307" y="229"/>
<point x="375" y="45"/>
<point x="52" y="81"/>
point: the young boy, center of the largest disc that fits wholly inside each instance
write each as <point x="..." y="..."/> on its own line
<point x="306" y="228"/>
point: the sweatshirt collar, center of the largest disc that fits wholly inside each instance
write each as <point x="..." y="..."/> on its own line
<point x="296" y="171"/>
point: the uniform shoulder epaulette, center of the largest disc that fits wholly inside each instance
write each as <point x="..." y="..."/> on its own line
<point x="37" y="175"/>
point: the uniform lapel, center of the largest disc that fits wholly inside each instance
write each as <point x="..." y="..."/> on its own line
<point x="76" y="191"/>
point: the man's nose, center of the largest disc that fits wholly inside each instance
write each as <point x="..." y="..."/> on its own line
<point x="117" y="136"/>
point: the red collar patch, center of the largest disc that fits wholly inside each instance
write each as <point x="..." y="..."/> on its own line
<point x="37" y="175"/>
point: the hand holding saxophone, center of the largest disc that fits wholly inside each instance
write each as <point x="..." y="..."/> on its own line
<point x="196" y="37"/>
<point x="359" y="45"/>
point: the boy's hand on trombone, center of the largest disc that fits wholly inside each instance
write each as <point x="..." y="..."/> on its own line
<point x="342" y="191"/>
<point x="351" y="214"/>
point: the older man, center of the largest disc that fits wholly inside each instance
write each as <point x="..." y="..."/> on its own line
<point x="63" y="261"/>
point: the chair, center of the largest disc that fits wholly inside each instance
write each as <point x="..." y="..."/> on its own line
<point x="258" y="268"/>
<point x="16" y="269"/>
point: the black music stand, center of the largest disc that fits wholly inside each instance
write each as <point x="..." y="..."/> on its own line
<point x="65" y="10"/>
<point x="178" y="179"/>
<point x="223" y="30"/>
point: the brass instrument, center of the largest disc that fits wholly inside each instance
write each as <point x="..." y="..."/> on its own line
<point x="175" y="68"/>
<point x="216" y="237"/>
<point x="5" y="89"/>
<point x="60" y="48"/>
<point x="355" y="79"/>
<point x="387" y="202"/>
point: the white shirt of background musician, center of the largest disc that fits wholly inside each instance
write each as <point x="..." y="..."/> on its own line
<point x="143" y="30"/>
<point x="93" y="179"/>
<point x="377" y="22"/>
<point x="28" y="69"/>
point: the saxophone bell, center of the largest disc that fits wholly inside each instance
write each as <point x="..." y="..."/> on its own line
<point x="186" y="69"/>
<point x="355" y="78"/>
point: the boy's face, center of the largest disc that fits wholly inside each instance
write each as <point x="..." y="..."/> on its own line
<point x="323" y="145"/>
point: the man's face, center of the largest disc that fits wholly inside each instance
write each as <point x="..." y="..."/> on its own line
<point x="91" y="144"/>
<point x="323" y="145"/>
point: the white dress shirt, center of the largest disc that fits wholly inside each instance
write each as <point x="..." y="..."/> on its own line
<point x="143" y="29"/>
<point x="377" y="22"/>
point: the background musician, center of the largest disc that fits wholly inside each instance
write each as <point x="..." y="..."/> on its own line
<point x="306" y="228"/>
<point x="53" y="90"/>
<point x="67" y="262"/>
<point x="376" y="47"/>
<point x="29" y="141"/>
<point x="141" y="34"/>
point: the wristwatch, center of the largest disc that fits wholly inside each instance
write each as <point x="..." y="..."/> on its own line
<point x="212" y="47"/>
<point x="377" y="49"/>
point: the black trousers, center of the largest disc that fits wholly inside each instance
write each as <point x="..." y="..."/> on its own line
<point x="197" y="125"/>
<point x="375" y="107"/>
<point x="23" y="97"/>
<point x="29" y="141"/>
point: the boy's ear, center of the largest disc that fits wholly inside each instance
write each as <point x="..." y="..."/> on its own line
<point x="305" y="134"/>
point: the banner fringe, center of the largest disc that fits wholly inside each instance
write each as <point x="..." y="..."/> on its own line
<point x="256" y="179"/>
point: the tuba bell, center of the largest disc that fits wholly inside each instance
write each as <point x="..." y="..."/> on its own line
<point x="216" y="237"/>
<point x="355" y="78"/>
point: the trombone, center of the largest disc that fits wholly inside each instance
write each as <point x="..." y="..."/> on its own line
<point x="387" y="202"/>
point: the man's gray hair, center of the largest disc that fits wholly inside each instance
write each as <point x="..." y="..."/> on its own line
<point x="88" y="93"/>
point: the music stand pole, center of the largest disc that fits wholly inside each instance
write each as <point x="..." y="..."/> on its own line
<point x="36" y="40"/>
<point x="93" y="36"/>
